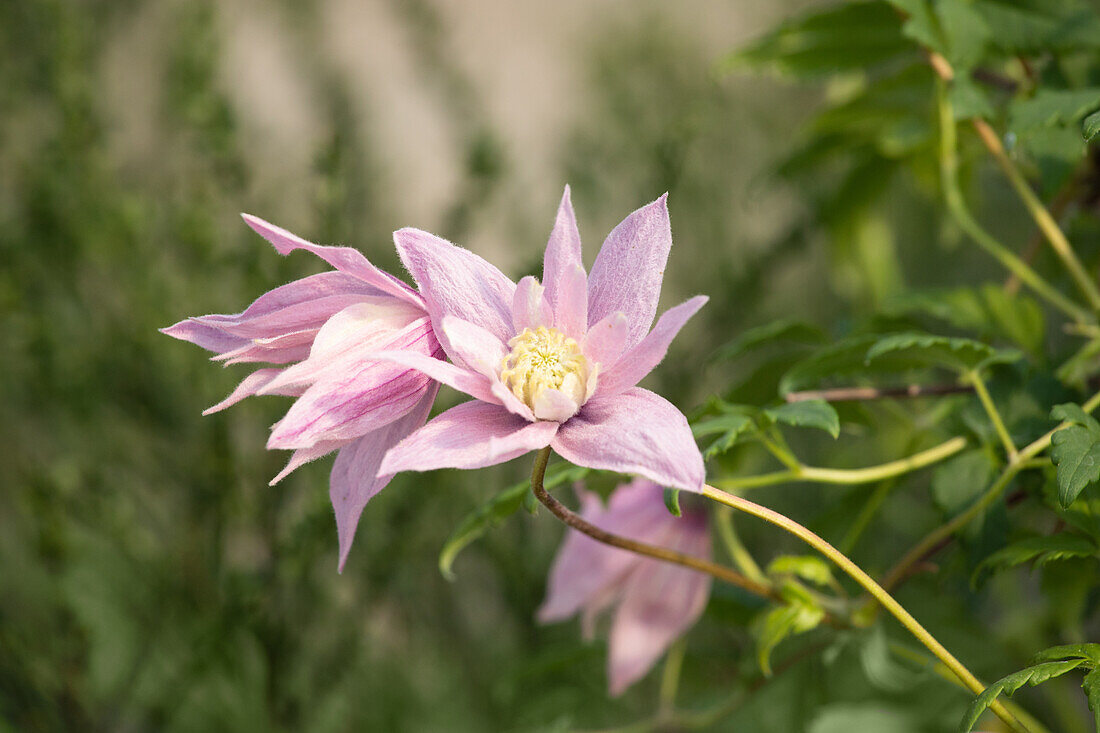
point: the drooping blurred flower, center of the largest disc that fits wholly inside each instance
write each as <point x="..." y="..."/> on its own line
<point x="321" y="330"/>
<point x="656" y="602"/>
<point x="554" y="363"/>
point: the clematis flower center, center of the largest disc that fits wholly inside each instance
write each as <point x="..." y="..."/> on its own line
<point x="546" y="359"/>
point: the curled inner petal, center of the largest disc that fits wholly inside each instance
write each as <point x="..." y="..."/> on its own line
<point x="548" y="372"/>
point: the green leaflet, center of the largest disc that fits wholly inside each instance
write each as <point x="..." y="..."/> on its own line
<point x="494" y="511"/>
<point x="1075" y="451"/>
<point x="1041" y="550"/>
<point x="1034" y="675"/>
<point x="800" y="614"/>
<point x="807" y="567"/>
<point x="808" y="414"/>
<point x="1090" y="126"/>
<point x="731" y="426"/>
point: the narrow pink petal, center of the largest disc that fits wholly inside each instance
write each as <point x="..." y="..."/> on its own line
<point x="472" y="435"/>
<point x="456" y="282"/>
<point x="456" y="377"/>
<point x="304" y="455"/>
<point x="511" y="403"/>
<point x="571" y="310"/>
<point x="355" y="480"/>
<point x="345" y="259"/>
<point x="530" y="308"/>
<point x="473" y="346"/>
<point x="640" y="361"/>
<point x="204" y="335"/>
<point x="563" y="251"/>
<point x="633" y="432"/>
<point x="258" y="351"/>
<point x="606" y="340"/>
<point x="361" y="396"/>
<point x="249" y="386"/>
<point x="291" y="318"/>
<point x="629" y="269"/>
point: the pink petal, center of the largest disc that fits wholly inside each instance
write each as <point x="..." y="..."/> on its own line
<point x="606" y="340"/>
<point x="456" y="282"/>
<point x="249" y="386"/>
<point x="346" y="338"/>
<point x="345" y="259"/>
<point x="359" y="397"/>
<point x="553" y="404"/>
<point x="473" y="346"/>
<point x="258" y="350"/>
<point x="563" y="252"/>
<point x="355" y="479"/>
<point x="471" y="435"/>
<point x="571" y="311"/>
<point x="633" y="432"/>
<point x="304" y="455"/>
<point x="530" y="308"/>
<point x="641" y="360"/>
<point x="660" y="602"/>
<point x="629" y="269"/>
<point x="456" y="377"/>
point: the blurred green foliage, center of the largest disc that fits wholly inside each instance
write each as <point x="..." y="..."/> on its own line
<point x="151" y="580"/>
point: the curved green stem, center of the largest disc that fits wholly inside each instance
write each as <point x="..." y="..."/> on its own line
<point x="874" y="589"/>
<point x="956" y="204"/>
<point x="849" y="476"/>
<point x="1043" y="219"/>
<point x="994" y="413"/>
<point x="736" y="549"/>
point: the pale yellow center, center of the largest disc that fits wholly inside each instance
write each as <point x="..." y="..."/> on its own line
<point x="545" y="358"/>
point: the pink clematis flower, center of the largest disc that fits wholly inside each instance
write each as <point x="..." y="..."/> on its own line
<point x="321" y="330"/>
<point x="657" y="601"/>
<point x="554" y="363"/>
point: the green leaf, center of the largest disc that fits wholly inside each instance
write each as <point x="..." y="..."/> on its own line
<point x="1075" y="451"/>
<point x="1034" y="675"/>
<point x="852" y="36"/>
<point x="501" y="506"/>
<point x="808" y="414"/>
<point x="968" y="99"/>
<point x="958" y="481"/>
<point x="672" y="502"/>
<point x="1073" y="413"/>
<point x="881" y="667"/>
<point x="1090" y="127"/>
<point x="1089" y="652"/>
<point x="966" y="33"/>
<point x="731" y="426"/>
<point x="924" y="349"/>
<point x="808" y="567"/>
<point x="1091" y="686"/>
<point x="799" y="615"/>
<point x="1052" y="107"/>
<point x="776" y="331"/>
<point x="1041" y="550"/>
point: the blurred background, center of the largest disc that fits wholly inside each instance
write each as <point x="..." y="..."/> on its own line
<point x="150" y="579"/>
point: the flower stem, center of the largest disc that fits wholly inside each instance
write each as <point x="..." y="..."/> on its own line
<point x="874" y="589"/>
<point x="1046" y="223"/>
<point x="578" y="523"/>
<point x="670" y="678"/>
<point x="956" y="205"/>
<point x="994" y="414"/>
<point x="736" y="549"/>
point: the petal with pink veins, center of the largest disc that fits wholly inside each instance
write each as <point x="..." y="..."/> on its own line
<point x="530" y="309"/>
<point x="471" y="435"/>
<point x="629" y="269"/>
<point x="633" y="432"/>
<point x="563" y="251"/>
<point x="303" y="456"/>
<point x="345" y="259"/>
<point x="641" y="360"/>
<point x="455" y="377"/>
<point x="473" y="346"/>
<point x="249" y="386"/>
<point x="456" y="282"/>
<point x="571" y="311"/>
<point x="355" y="481"/>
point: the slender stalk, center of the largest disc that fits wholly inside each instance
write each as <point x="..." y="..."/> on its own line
<point x="866" y="513"/>
<point x="874" y="589"/>
<point x="670" y="679"/>
<point x="956" y="205"/>
<point x="859" y="394"/>
<point x="848" y="476"/>
<point x="1043" y="219"/>
<point x="578" y="523"/>
<point x="736" y="549"/>
<point x="994" y="414"/>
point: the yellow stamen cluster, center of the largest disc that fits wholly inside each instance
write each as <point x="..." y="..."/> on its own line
<point x="545" y="358"/>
